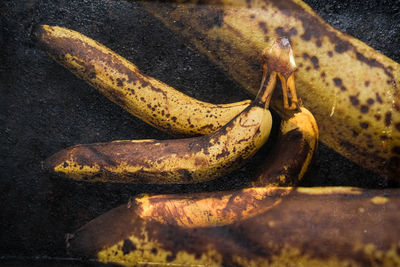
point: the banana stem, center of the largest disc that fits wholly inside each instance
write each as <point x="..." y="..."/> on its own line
<point x="290" y="100"/>
<point x="279" y="58"/>
<point x="266" y="88"/>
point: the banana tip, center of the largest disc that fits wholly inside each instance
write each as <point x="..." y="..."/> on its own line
<point x="45" y="166"/>
<point x="36" y="32"/>
<point x="48" y="164"/>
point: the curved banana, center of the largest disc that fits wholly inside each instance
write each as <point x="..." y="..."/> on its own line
<point x="122" y="82"/>
<point x="352" y="90"/>
<point x="187" y="160"/>
<point x="329" y="226"/>
<point x="285" y="165"/>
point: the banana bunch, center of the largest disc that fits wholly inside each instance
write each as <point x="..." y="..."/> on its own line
<point x="271" y="222"/>
<point x="129" y="161"/>
<point x="332" y="226"/>
<point x="188" y="160"/>
<point x="353" y="90"/>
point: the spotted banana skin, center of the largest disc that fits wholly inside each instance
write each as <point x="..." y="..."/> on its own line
<point x="330" y="226"/>
<point x="285" y="165"/>
<point x="188" y="160"/>
<point x="352" y="90"/>
<point x="122" y="82"/>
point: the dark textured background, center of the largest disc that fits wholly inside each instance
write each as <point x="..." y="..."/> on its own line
<point x="44" y="108"/>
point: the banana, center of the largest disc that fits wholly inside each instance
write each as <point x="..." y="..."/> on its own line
<point x="285" y="165"/>
<point x="329" y="226"/>
<point x="189" y="160"/>
<point x="352" y="90"/>
<point x="123" y="83"/>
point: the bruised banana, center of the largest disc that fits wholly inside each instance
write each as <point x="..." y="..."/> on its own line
<point x="352" y="90"/>
<point x="122" y="82"/>
<point x="285" y="165"/>
<point x="329" y="226"/>
<point x="189" y="160"/>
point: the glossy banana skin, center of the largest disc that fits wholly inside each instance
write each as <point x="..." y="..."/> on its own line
<point x="352" y="90"/>
<point x="285" y="165"/>
<point x="188" y="160"/>
<point x="310" y="227"/>
<point x="122" y="82"/>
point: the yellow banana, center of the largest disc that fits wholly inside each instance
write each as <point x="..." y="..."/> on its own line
<point x="329" y="226"/>
<point x="285" y="165"/>
<point x="187" y="160"/>
<point x="122" y="82"/>
<point x="352" y="90"/>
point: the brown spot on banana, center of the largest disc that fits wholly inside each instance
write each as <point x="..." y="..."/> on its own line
<point x="372" y="74"/>
<point x="388" y="118"/>
<point x="302" y="229"/>
<point x="122" y="82"/>
<point x="338" y="83"/>
<point x="354" y="100"/>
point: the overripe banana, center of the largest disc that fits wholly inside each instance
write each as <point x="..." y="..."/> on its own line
<point x="123" y="83"/>
<point x="329" y="226"/>
<point x="285" y="165"/>
<point x="352" y="90"/>
<point x="187" y="160"/>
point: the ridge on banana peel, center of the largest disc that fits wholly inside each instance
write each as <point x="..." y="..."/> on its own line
<point x="328" y="226"/>
<point x="285" y="165"/>
<point x="123" y="83"/>
<point x="351" y="89"/>
<point x="187" y="160"/>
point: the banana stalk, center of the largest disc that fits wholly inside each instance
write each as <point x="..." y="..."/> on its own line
<point x="352" y="90"/>
<point x="337" y="226"/>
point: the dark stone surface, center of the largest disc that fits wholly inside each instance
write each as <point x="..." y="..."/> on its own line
<point x="45" y="108"/>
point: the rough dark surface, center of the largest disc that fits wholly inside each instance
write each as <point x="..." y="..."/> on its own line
<point x="45" y="108"/>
